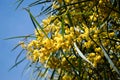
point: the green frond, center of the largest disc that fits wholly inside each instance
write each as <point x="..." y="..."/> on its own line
<point x="17" y="63"/>
<point x="35" y="23"/>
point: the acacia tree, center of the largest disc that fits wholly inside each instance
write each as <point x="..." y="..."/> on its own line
<point x="79" y="40"/>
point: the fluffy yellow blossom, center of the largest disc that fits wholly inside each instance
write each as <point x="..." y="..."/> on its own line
<point x="60" y="1"/>
<point x="66" y="77"/>
<point x="92" y="55"/>
<point x="93" y="17"/>
<point x="55" y="6"/>
<point x="111" y="34"/>
<point x="53" y="63"/>
<point x="95" y="58"/>
<point x="88" y="44"/>
<point x="84" y="25"/>
<point x="67" y="1"/>
<point x="98" y="49"/>
<point x="35" y="55"/>
<point x="23" y="45"/>
<point x="118" y="47"/>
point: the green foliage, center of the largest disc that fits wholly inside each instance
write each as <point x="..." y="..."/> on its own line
<point x="79" y="40"/>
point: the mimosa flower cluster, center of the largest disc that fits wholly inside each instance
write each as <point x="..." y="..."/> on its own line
<point x="86" y="23"/>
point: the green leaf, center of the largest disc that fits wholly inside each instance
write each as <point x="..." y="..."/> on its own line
<point x="15" y="37"/>
<point x="62" y="26"/>
<point x="80" y="65"/>
<point x="26" y="68"/>
<point x="52" y="76"/>
<point x="38" y="75"/>
<point x="18" y="55"/>
<point x="108" y="58"/>
<point x="46" y="10"/>
<point x="19" y="3"/>
<point x="38" y="3"/>
<point x="51" y="54"/>
<point x="59" y="77"/>
<point x="74" y="68"/>
<point x="68" y="13"/>
<point x="17" y="63"/>
<point x="35" y="23"/>
<point x="81" y="54"/>
<point x="16" y="47"/>
<point x="44" y="74"/>
<point x="105" y="76"/>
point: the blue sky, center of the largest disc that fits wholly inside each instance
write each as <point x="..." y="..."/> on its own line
<point x="12" y="23"/>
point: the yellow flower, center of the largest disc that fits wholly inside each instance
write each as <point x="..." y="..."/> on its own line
<point x="88" y="44"/>
<point x="95" y="36"/>
<point x="66" y="77"/>
<point x="90" y="71"/>
<point x="92" y="55"/>
<point x="48" y="43"/>
<point x="23" y="45"/>
<point x="111" y="34"/>
<point x="53" y="63"/>
<point x="118" y="47"/>
<point x="86" y="23"/>
<point x="55" y="6"/>
<point x="67" y="1"/>
<point x="60" y="1"/>
<point x="35" y="55"/>
<point x="98" y="49"/>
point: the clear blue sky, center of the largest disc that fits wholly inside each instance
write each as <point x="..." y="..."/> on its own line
<point x="12" y="23"/>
